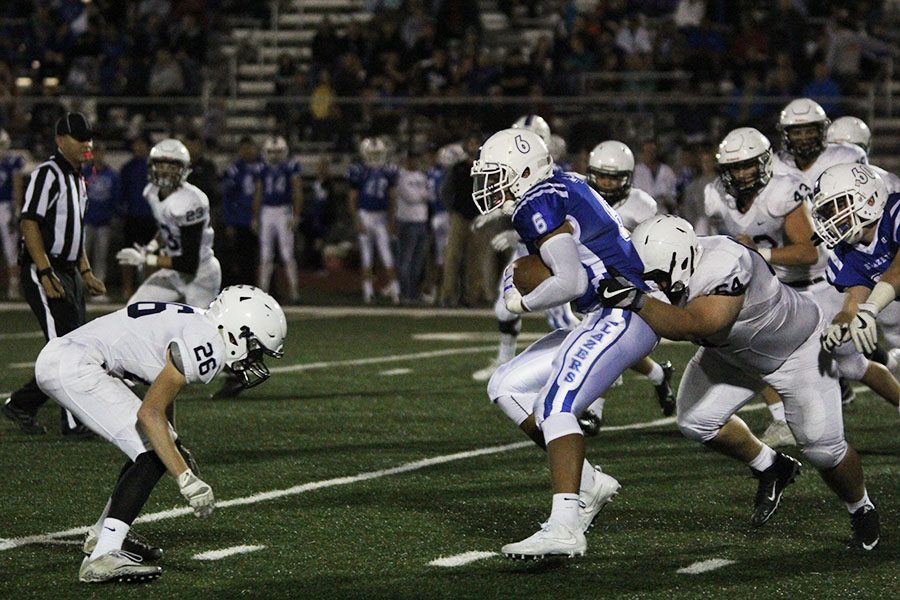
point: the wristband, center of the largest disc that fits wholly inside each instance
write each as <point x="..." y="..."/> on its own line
<point x="152" y="260"/>
<point x="766" y="253"/>
<point x="45" y="272"/>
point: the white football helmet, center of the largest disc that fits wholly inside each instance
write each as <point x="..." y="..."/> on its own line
<point x="846" y="199"/>
<point x="508" y="164"/>
<point x="742" y="149"/>
<point x="170" y="164"/>
<point x="800" y="113"/>
<point x="612" y="160"/>
<point x="373" y="151"/>
<point x="5" y="142"/>
<point x="275" y="150"/>
<point x="849" y="130"/>
<point x="557" y="147"/>
<point x="670" y="252"/>
<point x="536" y="124"/>
<point x="252" y="325"/>
<point x="449" y="155"/>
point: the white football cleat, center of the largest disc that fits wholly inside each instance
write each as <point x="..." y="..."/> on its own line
<point x="778" y="434"/>
<point x="116" y="566"/>
<point x="551" y="540"/>
<point x="592" y="501"/>
<point x="485" y="373"/>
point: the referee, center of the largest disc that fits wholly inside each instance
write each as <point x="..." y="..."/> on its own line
<point x="55" y="269"/>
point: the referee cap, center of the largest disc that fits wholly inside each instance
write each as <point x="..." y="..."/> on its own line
<point x="76" y="125"/>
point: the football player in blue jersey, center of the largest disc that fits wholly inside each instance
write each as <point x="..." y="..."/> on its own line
<point x="371" y="203"/>
<point x="12" y="191"/>
<point x="543" y="390"/>
<point x="282" y="205"/>
<point x="860" y="222"/>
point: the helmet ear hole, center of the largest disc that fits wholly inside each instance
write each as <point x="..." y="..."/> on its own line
<point x="232" y="339"/>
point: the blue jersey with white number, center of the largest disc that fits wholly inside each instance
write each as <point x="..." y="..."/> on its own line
<point x="373" y="185"/>
<point x="276" y="182"/>
<point x="9" y="166"/>
<point x="238" y="188"/>
<point x="103" y="191"/>
<point x="435" y="176"/>
<point x="603" y="243"/>
<point x="858" y="264"/>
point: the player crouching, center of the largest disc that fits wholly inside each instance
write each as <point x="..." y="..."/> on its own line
<point x="166" y="346"/>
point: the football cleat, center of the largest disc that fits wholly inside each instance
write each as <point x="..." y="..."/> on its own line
<point x="485" y="373"/>
<point x="24" y="419"/>
<point x="866" y="528"/>
<point x="117" y="566"/>
<point x="550" y="540"/>
<point x="592" y="501"/>
<point x="778" y="434"/>
<point x="590" y="422"/>
<point x="772" y="482"/>
<point x="664" y="393"/>
<point x="133" y="544"/>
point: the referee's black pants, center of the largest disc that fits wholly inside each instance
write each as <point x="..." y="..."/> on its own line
<point x="57" y="317"/>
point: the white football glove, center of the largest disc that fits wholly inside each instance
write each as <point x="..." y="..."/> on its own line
<point x="834" y="335"/>
<point x="511" y="296"/>
<point x="198" y="494"/>
<point x="505" y="240"/>
<point x="863" y="331"/>
<point x="131" y="256"/>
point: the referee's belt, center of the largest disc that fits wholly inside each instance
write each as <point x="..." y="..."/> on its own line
<point x="804" y="283"/>
<point x="63" y="265"/>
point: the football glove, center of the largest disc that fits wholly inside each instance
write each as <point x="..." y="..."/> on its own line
<point x="505" y="240"/>
<point x="132" y="257"/>
<point x="833" y="336"/>
<point x="863" y="331"/>
<point x="511" y="296"/>
<point x="618" y="292"/>
<point x="198" y="494"/>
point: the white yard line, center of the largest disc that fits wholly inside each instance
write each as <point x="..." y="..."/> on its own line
<point x="21" y="365"/>
<point x="380" y="359"/>
<point x="472" y="336"/>
<point x="459" y="560"/>
<point x="226" y="552"/>
<point x="705" y="565"/>
<point x="392" y="372"/>
<point x="25" y="335"/>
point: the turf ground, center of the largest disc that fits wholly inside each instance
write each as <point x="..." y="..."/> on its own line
<point x="388" y="457"/>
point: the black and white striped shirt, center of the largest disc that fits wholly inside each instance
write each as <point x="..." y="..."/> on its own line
<point x="56" y="198"/>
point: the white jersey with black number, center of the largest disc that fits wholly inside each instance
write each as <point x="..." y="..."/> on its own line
<point x="133" y="341"/>
<point x="636" y="208"/>
<point x="186" y="206"/>
<point x="774" y="320"/>
<point x="763" y="222"/>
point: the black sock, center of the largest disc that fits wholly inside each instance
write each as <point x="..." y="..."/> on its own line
<point x="134" y="486"/>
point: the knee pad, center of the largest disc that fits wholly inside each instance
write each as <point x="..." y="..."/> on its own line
<point x="693" y="430"/>
<point x="824" y="456"/>
<point x="510" y="327"/>
<point x="852" y="366"/>
<point x="516" y="408"/>
<point x="558" y="425"/>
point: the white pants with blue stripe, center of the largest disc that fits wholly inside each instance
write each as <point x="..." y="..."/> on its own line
<point x="565" y="371"/>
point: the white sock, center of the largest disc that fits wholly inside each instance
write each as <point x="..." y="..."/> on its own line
<point x="507" y="350"/>
<point x="368" y="290"/>
<point x="777" y="411"/>
<point x="597" y="407"/>
<point x="763" y="460"/>
<point x="656" y="374"/>
<point x="565" y="511"/>
<point x="111" y="537"/>
<point x="98" y="526"/>
<point x="587" y="476"/>
<point x="852" y="507"/>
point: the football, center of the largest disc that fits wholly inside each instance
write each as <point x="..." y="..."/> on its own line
<point x="528" y="272"/>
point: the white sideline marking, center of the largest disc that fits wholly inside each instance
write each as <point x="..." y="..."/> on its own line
<point x="459" y="560"/>
<point x="705" y="565"/>
<point x="225" y="552"/>
<point x="380" y="359"/>
<point x="391" y="372"/>
<point x="25" y="335"/>
<point x="21" y="365"/>
<point x="10" y="543"/>
<point x="472" y="336"/>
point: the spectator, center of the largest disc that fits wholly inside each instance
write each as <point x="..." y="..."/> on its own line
<point x="412" y="227"/>
<point x="241" y="191"/>
<point x="166" y="77"/>
<point x="824" y="90"/>
<point x="103" y="192"/>
<point x="656" y="178"/>
<point x="325" y="46"/>
<point x="139" y="222"/>
<point x="205" y="175"/>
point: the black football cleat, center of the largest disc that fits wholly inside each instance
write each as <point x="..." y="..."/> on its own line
<point x="772" y="482"/>
<point x="24" y="419"/>
<point x="133" y="543"/>
<point x="866" y="528"/>
<point x="79" y="432"/>
<point x="664" y="394"/>
<point x="590" y="423"/>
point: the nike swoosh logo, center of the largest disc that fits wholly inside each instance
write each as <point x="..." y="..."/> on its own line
<point x="109" y="529"/>
<point x="772" y="497"/>
<point x="607" y="295"/>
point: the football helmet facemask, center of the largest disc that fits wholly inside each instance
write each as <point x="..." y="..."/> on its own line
<point x="275" y="150"/>
<point x="373" y="151"/>
<point x="846" y="199"/>
<point x="252" y="325"/>
<point x="611" y="161"/>
<point x="507" y="165"/>
<point x="744" y="162"/>
<point x="170" y="164"/>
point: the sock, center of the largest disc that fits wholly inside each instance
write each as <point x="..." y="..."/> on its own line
<point x="852" y="507"/>
<point x="565" y="511"/>
<point x="656" y="374"/>
<point x="368" y="290"/>
<point x="111" y="537"/>
<point x="763" y="460"/>
<point x="597" y="407"/>
<point x="880" y="356"/>
<point x="507" y="349"/>
<point x="587" y="476"/>
<point x="98" y="526"/>
<point x="777" y="411"/>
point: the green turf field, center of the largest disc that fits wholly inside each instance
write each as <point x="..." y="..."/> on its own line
<point x="358" y="407"/>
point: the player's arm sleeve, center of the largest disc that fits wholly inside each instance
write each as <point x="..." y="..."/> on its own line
<point x="569" y="279"/>
<point x="189" y="260"/>
<point x="41" y="194"/>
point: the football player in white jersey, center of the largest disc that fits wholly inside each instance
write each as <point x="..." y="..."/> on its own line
<point x="183" y="249"/>
<point x="610" y="173"/>
<point x="753" y="331"/>
<point x="166" y="346"/>
<point x="510" y="324"/>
